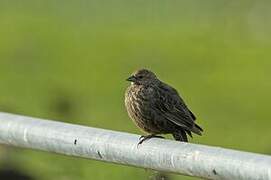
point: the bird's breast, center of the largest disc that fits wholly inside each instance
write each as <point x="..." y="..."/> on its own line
<point x="137" y="102"/>
<point x="139" y="95"/>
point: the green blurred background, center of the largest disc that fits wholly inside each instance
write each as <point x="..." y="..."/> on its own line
<point x="68" y="61"/>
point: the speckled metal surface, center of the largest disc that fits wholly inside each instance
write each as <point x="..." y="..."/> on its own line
<point x="118" y="147"/>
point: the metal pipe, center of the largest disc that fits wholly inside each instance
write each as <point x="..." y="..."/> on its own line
<point x="119" y="147"/>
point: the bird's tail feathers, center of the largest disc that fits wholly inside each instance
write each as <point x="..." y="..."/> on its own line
<point x="197" y="129"/>
<point x="180" y="135"/>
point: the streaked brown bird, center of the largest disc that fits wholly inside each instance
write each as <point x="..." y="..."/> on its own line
<point x="157" y="108"/>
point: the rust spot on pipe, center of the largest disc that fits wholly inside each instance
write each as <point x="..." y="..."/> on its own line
<point x="99" y="154"/>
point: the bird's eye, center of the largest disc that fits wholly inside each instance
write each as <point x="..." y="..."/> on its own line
<point x="140" y="77"/>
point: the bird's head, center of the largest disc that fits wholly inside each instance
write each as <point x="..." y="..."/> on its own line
<point x="143" y="77"/>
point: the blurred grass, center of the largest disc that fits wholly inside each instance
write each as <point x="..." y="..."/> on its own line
<point x="67" y="60"/>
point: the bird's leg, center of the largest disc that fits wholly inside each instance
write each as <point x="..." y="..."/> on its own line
<point x="144" y="138"/>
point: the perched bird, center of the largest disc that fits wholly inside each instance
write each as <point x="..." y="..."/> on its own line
<point x="157" y="108"/>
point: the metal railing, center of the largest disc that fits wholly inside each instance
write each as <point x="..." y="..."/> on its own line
<point x="118" y="147"/>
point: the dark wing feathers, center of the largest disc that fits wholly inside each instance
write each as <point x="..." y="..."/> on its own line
<point x="192" y="115"/>
<point x="173" y="108"/>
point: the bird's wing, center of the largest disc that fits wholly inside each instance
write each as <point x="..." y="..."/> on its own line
<point x="192" y="115"/>
<point x="172" y="107"/>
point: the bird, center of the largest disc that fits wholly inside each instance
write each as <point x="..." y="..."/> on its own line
<point x="157" y="108"/>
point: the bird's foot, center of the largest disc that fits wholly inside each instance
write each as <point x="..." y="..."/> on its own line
<point x="144" y="138"/>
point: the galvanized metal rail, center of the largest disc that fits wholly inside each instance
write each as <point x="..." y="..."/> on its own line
<point x="118" y="147"/>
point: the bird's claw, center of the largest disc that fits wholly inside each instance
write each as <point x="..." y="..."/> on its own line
<point x="141" y="137"/>
<point x="144" y="138"/>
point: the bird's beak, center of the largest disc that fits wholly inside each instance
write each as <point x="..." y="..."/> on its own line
<point x="131" y="78"/>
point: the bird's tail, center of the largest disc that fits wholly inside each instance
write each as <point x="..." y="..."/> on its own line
<point x="197" y="129"/>
<point x="180" y="135"/>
